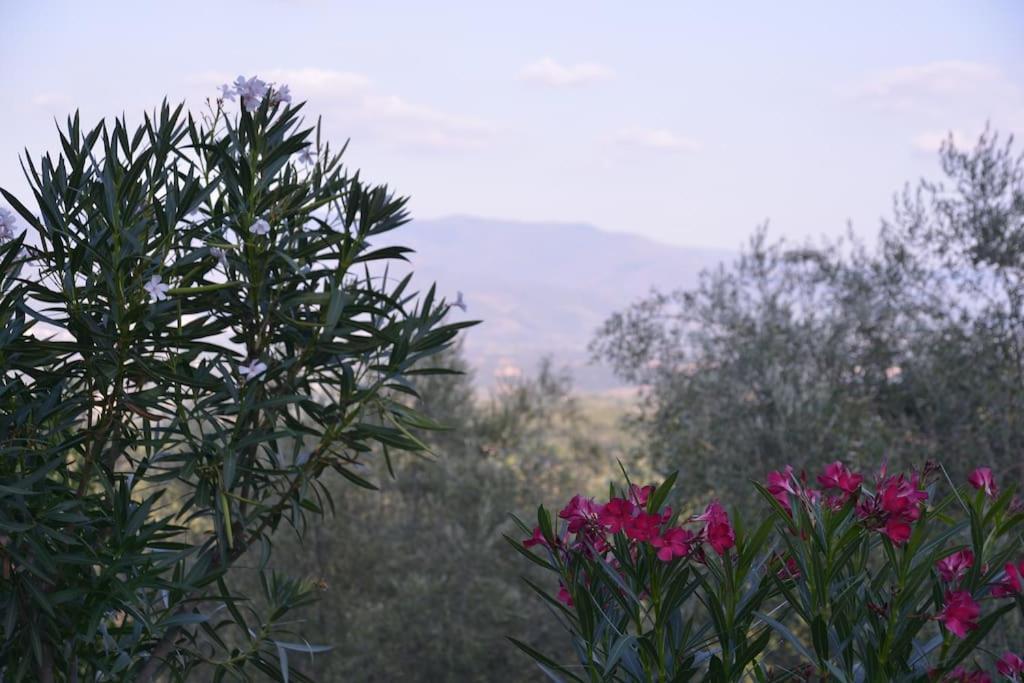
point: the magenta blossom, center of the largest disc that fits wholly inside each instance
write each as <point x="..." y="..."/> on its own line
<point x="717" y="530"/>
<point x="640" y="494"/>
<point x="564" y="596"/>
<point x="954" y="567"/>
<point x="960" y="614"/>
<point x="1011" y="665"/>
<point x="536" y="539"/>
<point x="580" y="512"/>
<point x="836" y="476"/>
<point x="616" y="513"/>
<point x="673" y="543"/>
<point x="895" y="505"/>
<point x="781" y="485"/>
<point x="643" y="527"/>
<point x="982" y="480"/>
<point x="1011" y="583"/>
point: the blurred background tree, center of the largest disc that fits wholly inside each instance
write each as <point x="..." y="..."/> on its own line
<point x="907" y="350"/>
<point x="418" y="583"/>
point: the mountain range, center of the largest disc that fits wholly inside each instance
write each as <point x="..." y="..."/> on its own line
<point x="543" y="289"/>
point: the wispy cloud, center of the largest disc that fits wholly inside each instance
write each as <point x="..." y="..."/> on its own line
<point x="551" y="73"/>
<point x="387" y="117"/>
<point x="423" y="126"/>
<point x="657" y="138"/>
<point x="942" y="98"/>
<point x="50" y="100"/>
<point x="909" y="87"/>
<point x="321" y="82"/>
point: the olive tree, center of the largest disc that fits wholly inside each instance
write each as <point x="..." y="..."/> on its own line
<point x="909" y="349"/>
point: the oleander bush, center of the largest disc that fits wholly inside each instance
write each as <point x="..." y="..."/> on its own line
<point x="196" y="325"/>
<point x="900" y="578"/>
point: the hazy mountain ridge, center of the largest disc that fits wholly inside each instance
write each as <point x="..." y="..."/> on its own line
<point x="543" y="288"/>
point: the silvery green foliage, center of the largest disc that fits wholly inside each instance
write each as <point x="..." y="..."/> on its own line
<point x="907" y="349"/>
<point x="195" y="325"/>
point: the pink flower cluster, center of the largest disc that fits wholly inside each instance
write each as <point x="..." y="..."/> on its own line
<point x="590" y="526"/>
<point x="1010" y="666"/>
<point x="891" y="509"/>
<point x="838" y="485"/>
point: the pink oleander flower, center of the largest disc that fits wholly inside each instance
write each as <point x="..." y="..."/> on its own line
<point x="580" y="512"/>
<point x="666" y="514"/>
<point x="717" y="530"/>
<point x="836" y="476"/>
<point x="1011" y="665"/>
<point x="536" y="539"/>
<point x="640" y="494"/>
<point x="902" y="497"/>
<point x="954" y="567"/>
<point x="982" y="480"/>
<point x="960" y="614"/>
<point x="782" y="484"/>
<point x="564" y="596"/>
<point x="643" y="527"/>
<point x="673" y="543"/>
<point x="895" y="505"/>
<point x="1011" y="583"/>
<point x="616" y="513"/>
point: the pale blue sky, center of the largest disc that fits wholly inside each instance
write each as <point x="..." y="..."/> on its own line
<point x="686" y="122"/>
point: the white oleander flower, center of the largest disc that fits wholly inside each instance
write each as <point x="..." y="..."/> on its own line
<point x="306" y="155"/>
<point x="252" y="92"/>
<point x="7" y="223"/>
<point x="220" y="255"/>
<point x="156" y="288"/>
<point x="259" y="227"/>
<point x="281" y="95"/>
<point x="254" y="369"/>
<point x="459" y="302"/>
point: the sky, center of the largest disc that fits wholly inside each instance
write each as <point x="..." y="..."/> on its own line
<point x="689" y="123"/>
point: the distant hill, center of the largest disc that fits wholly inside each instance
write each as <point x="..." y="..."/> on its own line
<point x="543" y="288"/>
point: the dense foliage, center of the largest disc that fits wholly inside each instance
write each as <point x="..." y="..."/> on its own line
<point x="882" y="581"/>
<point x="191" y="336"/>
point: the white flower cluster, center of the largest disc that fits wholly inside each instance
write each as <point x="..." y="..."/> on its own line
<point x="7" y="223"/>
<point x="253" y="91"/>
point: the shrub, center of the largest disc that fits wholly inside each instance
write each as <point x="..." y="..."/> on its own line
<point x="847" y="581"/>
<point x="191" y="335"/>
